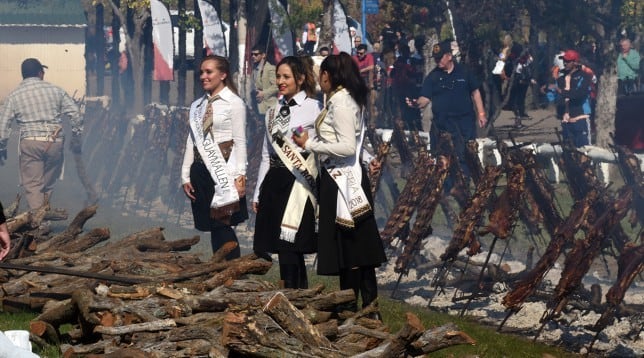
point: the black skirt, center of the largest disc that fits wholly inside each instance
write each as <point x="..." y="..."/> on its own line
<point x="204" y="188"/>
<point x="273" y="198"/>
<point x="341" y="248"/>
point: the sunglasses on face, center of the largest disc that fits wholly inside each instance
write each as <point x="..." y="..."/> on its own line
<point x="255" y="54"/>
<point x="361" y="53"/>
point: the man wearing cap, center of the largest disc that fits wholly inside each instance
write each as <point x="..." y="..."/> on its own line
<point x="456" y="101"/>
<point x="38" y="107"/>
<point x="574" y="108"/>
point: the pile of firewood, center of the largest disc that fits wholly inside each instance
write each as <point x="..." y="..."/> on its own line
<point x="143" y="296"/>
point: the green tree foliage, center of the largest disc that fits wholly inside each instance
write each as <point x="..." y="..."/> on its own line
<point x="303" y="11"/>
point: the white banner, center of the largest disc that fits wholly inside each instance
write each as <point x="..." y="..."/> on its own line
<point x="282" y="36"/>
<point x="162" y="41"/>
<point x="342" y="38"/>
<point x="213" y="33"/>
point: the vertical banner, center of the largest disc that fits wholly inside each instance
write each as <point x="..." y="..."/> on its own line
<point x="162" y="41"/>
<point x="213" y="33"/>
<point x="281" y="32"/>
<point x="341" y="39"/>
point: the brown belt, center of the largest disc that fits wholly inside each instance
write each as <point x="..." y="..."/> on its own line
<point x="41" y="138"/>
<point x="225" y="147"/>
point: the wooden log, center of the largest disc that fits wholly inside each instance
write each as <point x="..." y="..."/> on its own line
<point x="294" y="322"/>
<point x="205" y="318"/>
<point x="45" y="331"/>
<point x="78" y="273"/>
<point x="258" y="335"/>
<point x="225" y="249"/>
<point x="86" y="241"/>
<point x="160" y="325"/>
<point x="329" y="328"/>
<point x="315" y="316"/>
<point x="258" y="267"/>
<point x="167" y="246"/>
<point x="215" y="302"/>
<point x="186" y="333"/>
<point x="396" y="346"/>
<point x="125" y="353"/>
<point x="86" y="318"/>
<point x="327" y="302"/>
<point x="86" y="350"/>
<point x="18" y="222"/>
<point x="207" y="268"/>
<point x="437" y="338"/>
<point x="64" y="312"/>
<point x="21" y="304"/>
<point x="56" y="214"/>
<point x="74" y="228"/>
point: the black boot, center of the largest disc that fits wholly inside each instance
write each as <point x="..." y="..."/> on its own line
<point x="290" y="275"/>
<point x="350" y="279"/>
<point x="303" y="280"/>
<point x="517" y="123"/>
<point x="369" y="290"/>
<point x="368" y="286"/>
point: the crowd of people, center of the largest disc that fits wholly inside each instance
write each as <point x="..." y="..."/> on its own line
<point x="312" y="193"/>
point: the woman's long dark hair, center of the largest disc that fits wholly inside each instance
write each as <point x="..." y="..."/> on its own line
<point x="343" y="71"/>
<point x="222" y="65"/>
<point x="300" y="69"/>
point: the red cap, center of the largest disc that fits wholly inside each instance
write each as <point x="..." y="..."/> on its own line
<point x="571" y="55"/>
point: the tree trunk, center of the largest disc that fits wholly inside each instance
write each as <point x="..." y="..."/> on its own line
<point x="136" y="48"/>
<point x="326" y="29"/>
<point x="606" y="105"/>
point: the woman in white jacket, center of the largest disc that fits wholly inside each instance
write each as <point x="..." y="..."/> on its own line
<point x="349" y="243"/>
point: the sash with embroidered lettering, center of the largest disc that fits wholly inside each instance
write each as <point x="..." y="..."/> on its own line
<point x="352" y="203"/>
<point x="220" y="170"/>
<point x="304" y="171"/>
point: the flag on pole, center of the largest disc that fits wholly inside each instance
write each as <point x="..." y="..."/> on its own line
<point x="213" y="32"/>
<point x="280" y="31"/>
<point x="162" y="41"/>
<point x="342" y="38"/>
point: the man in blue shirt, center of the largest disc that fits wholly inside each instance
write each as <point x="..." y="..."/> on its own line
<point x="454" y="94"/>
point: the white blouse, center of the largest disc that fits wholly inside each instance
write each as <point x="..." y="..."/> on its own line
<point x="229" y="122"/>
<point x="303" y="113"/>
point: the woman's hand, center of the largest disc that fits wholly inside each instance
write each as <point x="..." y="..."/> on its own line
<point x="189" y="190"/>
<point x="240" y="185"/>
<point x="301" y="139"/>
<point x="255" y="206"/>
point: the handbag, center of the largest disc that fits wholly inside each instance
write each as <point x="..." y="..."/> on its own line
<point x="224" y="213"/>
<point x="498" y="67"/>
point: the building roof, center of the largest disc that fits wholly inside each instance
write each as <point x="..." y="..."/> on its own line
<point x="42" y="13"/>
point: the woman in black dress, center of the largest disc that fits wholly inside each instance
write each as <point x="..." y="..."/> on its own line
<point x="285" y="196"/>
<point x="349" y="243"/>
